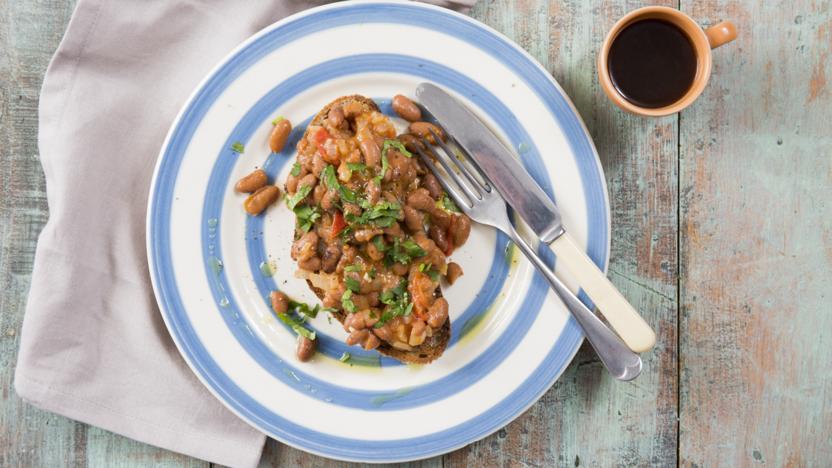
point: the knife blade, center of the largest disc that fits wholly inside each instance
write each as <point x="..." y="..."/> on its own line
<point x="496" y="161"/>
<point x="540" y="213"/>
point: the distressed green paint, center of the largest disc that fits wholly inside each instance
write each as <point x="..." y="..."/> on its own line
<point x="748" y="167"/>
<point x="106" y="449"/>
<point x="756" y="251"/>
<point x="29" y="33"/>
<point x="587" y="415"/>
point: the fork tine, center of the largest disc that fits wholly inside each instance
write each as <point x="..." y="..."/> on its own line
<point x="465" y="164"/>
<point x="445" y="160"/>
<point x="462" y="200"/>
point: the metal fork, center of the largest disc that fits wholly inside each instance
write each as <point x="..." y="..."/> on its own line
<point x="473" y="192"/>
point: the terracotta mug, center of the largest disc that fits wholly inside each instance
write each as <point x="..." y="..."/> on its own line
<point x="702" y="40"/>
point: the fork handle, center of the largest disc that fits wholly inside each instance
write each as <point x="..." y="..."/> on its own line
<point x="619" y="360"/>
<point x="621" y="316"/>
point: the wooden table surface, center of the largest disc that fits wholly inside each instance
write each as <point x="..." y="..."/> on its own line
<point x="722" y="236"/>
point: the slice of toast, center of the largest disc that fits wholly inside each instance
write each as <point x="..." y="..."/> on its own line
<point x="434" y="345"/>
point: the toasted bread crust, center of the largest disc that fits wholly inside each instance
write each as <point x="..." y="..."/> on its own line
<point x="322" y="115"/>
<point x="433" y="346"/>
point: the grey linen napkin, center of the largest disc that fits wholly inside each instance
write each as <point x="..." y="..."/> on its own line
<point x="93" y="345"/>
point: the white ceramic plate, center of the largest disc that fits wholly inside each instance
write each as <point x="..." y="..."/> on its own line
<point x="209" y="261"/>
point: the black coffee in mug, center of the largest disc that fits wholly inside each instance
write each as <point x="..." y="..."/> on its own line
<point x="652" y="63"/>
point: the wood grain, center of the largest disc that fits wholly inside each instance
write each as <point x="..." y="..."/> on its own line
<point x="27" y="436"/>
<point x="29" y="34"/>
<point x="587" y="418"/>
<point x="756" y="249"/>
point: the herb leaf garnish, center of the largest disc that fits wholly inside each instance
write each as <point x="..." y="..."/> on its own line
<point x="397" y="145"/>
<point x="352" y="284"/>
<point x="331" y="181"/>
<point x="404" y="252"/>
<point x="304" y="310"/>
<point x="329" y="178"/>
<point x="346" y="301"/>
<point x="378" y="241"/>
<point x="447" y="204"/>
<point x="296" y="326"/>
<point x="427" y="268"/>
<point x="398" y="303"/>
<point x="348" y="195"/>
<point x="385" y="164"/>
<point x="357" y="167"/>
<point x="298" y="197"/>
<point x="307" y="216"/>
<point x="383" y="214"/>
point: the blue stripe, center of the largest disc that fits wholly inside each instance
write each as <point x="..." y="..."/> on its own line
<point x="158" y="231"/>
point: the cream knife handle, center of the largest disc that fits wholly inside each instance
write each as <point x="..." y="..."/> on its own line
<point x="622" y="317"/>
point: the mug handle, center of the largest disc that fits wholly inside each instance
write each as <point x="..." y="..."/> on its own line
<point x="721" y="33"/>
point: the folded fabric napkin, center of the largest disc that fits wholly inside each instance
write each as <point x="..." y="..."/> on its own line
<point x="93" y="345"/>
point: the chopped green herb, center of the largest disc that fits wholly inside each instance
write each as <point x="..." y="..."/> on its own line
<point x="345" y="357"/>
<point x="298" y="197"/>
<point x="238" y="147"/>
<point x="354" y="219"/>
<point x="295" y="169"/>
<point x="398" y="303"/>
<point x="296" y="326"/>
<point x="372" y="273"/>
<point x="400" y="288"/>
<point x="346" y="301"/>
<point x="386" y="296"/>
<point x="397" y="145"/>
<point x="348" y="195"/>
<point x="356" y="167"/>
<point x="346" y="233"/>
<point x="412" y="248"/>
<point x="352" y="284"/>
<point x="383" y="214"/>
<point x="352" y="268"/>
<point x="404" y="252"/>
<point x="306" y="216"/>
<point x="378" y="242"/>
<point x="385" y="164"/>
<point x="331" y="181"/>
<point x="278" y="119"/>
<point x="447" y="204"/>
<point x="304" y="310"/>
<point x="329" y="178"/>
<point x="427" y="268"/>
